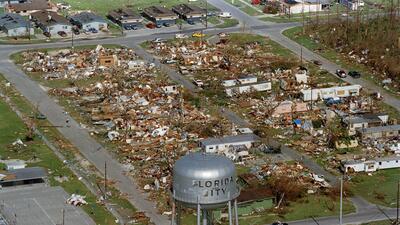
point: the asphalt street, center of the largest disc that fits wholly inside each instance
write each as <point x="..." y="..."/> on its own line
<point x="96" y="153"/>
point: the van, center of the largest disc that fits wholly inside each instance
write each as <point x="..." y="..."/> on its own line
<point x="225" y="15"/>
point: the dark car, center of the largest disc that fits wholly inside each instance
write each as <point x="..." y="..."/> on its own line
<point x="47" y="34"/>
<point x="191" y="22"/>
<point x="127" y="27"/>
<point x="354" y="74"/>
<point x="151" y="25"/>
<point x="332" y="101"/>
<point x="317" y="62"/>
<point x="167" y="24"/>
<point x="76" y="31"/>
<point x="341" y="73"/>
<point x="62" y="33"/>
<point x="279" y="223"/>
<point x="41" y="116"/>
<point x="133" y="27"/>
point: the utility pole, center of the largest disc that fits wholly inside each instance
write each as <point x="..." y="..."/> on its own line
<point x="29" y="27"/>
<point x="398" y="203"/>
<point x="341" y="202"/>
<point x="63" y="217"/>
<point x="105" y="180"/>
<point x="206" y="14"/>
<point x="302" y="12"/>
<point x="301" y="55"/>
<point x="72" y="38"/>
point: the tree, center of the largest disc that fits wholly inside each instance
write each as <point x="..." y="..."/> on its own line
<point x="336" y="132"/>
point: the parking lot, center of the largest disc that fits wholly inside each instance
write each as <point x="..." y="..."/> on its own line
<point x="40" y="205"/>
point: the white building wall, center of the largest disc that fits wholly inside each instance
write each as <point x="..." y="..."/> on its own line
<point x="298" y="8"/>
<point x="53" y="30"/>
<point x="229" y="83"/>
<point x="247" y="80"/>
<point x="21" y="31"/>
<point x="388" y="164"/>
<point x="95" y="25"/>
<point x="333" y="92"/>
<point x="224" y="147"/>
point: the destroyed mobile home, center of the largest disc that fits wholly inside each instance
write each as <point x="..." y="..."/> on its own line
<point x="127" y="102"/>
<point x="282" y="96"/>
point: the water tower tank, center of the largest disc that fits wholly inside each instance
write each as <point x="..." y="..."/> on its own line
<point x="204" y="179"/>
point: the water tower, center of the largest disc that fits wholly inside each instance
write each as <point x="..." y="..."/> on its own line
<point x="204" y="182"/>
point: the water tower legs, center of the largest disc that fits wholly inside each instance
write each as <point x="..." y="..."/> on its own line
<point x="236" y="213"/>
<point x="230" y="212"/>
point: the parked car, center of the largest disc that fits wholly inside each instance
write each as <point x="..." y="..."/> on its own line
<point x="93" y="30"/>
<point x="225" y="15"/>
<point x="62" y="33"/>
<point x="127" y="27"/>
<point x="317" y="62"/>
<point x="134" y="27"/>
<point x="279" y="223"/>
<point x="341" y="73"/>
<point x="198" y="34"/>
<point x="222" y="35"/>
<point x="151" y="25"/>
<point x="332" y="101"/>
<point x="354" y="74"/>
<point x="168" y="61"/>
<point x="181" y="36"/>
<point x="158" y="40"/>
<point x="191" y="22"/>
<point x="210" y="13"/>
<point x="40" y="116"/>
<point x="167" y="24"/>
<point x="76" y="31"/>
<point x="198" y="83"/>
<point x="47" y="34"/>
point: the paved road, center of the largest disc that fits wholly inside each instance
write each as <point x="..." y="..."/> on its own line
<point x="80" y="138"/>
<point x="97" y="155"/>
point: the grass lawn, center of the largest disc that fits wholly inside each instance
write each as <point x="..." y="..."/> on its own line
<point x="103" y="6"/>
<point x="305" y="208"/>
<point x="245" y="8"/>
<point x="383" y="222"/>
<point x="330" y="54"/>
<point x="380" y="188"/>
<point x="227" y="23"/>
<point x="11" y="128"/>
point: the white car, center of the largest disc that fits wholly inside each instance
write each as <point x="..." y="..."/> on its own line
<point x="158" y="40"/>
<point x="181" y="36"/>
<point x="225" y="15"/>
<point x="198" y="83"/>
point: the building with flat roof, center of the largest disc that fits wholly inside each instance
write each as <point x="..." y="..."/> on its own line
<point x="51" y="22"/>
<point x="160" y="15"/>
<point x="14" y="25"/>
<point x="125" y="17"/>
<point x="4" y="3"/>
<point x="88" y="21"/>
<point x="23" y="176"/>
<point x="371" y="165"/>
<point x="388" y="131"/>
<point x="28" y="7"/>
<point x="214" y="145"/>
<point x="40" y="205"/>
<point x="331" y="92"/>
<point x="190" y="13"/>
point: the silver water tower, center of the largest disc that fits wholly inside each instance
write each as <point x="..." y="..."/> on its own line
<point x="205" y="182"/>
